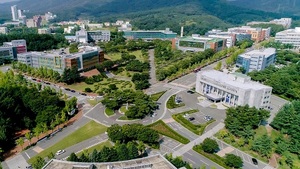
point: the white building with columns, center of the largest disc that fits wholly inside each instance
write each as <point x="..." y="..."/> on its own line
<point x="233" y="89"/>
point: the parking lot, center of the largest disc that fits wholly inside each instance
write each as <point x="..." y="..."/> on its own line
<point x="199" y="117"/>
<point x="168" y="145"/>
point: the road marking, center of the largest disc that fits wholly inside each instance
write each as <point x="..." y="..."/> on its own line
<point x="27" y="155"/>
<point x="96" y="120"/>
<point x="204" y="162"/>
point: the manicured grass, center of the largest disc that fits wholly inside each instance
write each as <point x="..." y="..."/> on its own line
<point x="164" y="129"/>
<point x="171" y="103"/>
<point x="117" y="55"/>
<point x="213" y="157"/>
<point x="93" y="102"/>
<point x="123" y="109"/>
<point x="197" y="129"/>
<point x="80" y="86"/>
<point x="109" y="112"/>
<point x="97" y="147"/>
<point x="87" y="131"/>
<point x="156" y="96"/>
<point x="125" y="118"/>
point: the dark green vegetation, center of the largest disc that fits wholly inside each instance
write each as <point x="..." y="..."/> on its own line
<point x="132" y="132"/>
<point x="171" y="104"/>
<point x="238" y="122"/>
<point x="196" y="15"/>
<point x="278" y="45"/>
<point x="287" y="122"/>
<point x="178" y="162"/>
<point x="195" y="128"/>
<point x="233" y="161"/>
<point x="119" y="152"/>
<point x="37" y="42"/>
<point x="286" y="57"/>
<point x="164" y="129"/>
<point x="285" y="81"/>
<point x="23" y="105"/>
<point x="208" y="149"/>
<point x="140" y="103"/>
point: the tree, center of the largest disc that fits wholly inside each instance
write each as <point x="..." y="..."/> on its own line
<point x="51" y="155"/>
<point x="71" y="76"/>
<point x="209" y="145"/>
<point x="114" y="132"/>
<point x="263" y="145"/>
<point x="141" y="147"/>
<point x="20" y="142"/>
<point x="28" y="136"/>
<point x="38" y="163"/>
<point x="94" y="156"/>
<point x="73" y="157"/>
<point x="218" y="66"/>
<point x="133" y="151"/>
<point x="89" y="90"/>
<point x="234" y="161"/>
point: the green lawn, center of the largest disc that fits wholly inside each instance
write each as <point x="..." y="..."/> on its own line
<point x="109" y="112"/>
<point x="80" y="86"/>
<point x="164" y="129"/>
<point x="171" y="103"/>
<point x="125" y="118"/>
<point x="97" y="147"/>
<point x="87" y="131"/>
<point x="117" y="55"/>
<point x="156" y="96"/>
<point x="123" y="109"/>
<point x="93" y="102"/>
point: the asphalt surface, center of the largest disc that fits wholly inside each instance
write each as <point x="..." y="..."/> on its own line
<point x="197" y="160"/>
<point x="152" y="67"/>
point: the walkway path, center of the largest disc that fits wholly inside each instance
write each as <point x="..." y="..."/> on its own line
<point x="199" y="140"/>
<point x="152" y="67"/>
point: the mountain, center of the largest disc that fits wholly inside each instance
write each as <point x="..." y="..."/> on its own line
<point x="196" y="15"/>
<point x="278" y="6"/>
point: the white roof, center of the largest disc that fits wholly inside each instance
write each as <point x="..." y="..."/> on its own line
<point x="235" y="80"/>
<point x="265" y="51"/>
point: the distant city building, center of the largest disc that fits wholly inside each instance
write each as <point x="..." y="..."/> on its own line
<point x="150" y="162"/>
<point x="242" y="36"/>
<point x="84" y="36"/>
<point x="107" y="24"/>
<point x="44" y="31"/>
<point x="257" y="34"/>
<point x="69" y="29"/>
<point x="92" y="26"/>
<point x="20" y="45"/>
<point x="290" y="36"/>
<point x="285" y="22"/>
<point x="125" y="27"/>
<point x="119" y="23"/>
<point x="3" y="30"/>
<point x="87" y="58"/>
<point x="233" y="89"/>
<point x="166" y="34"/>
<point x="256" y="59"/>
<point x="14" y="13"/>
<point x="9" y="53"/>
<point x="35" y="22"/>
<point x="196" y="43"/>
<point x="49" y="16"/>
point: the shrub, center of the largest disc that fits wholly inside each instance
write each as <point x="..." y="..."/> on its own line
<point x="210" y="145"/>
<point x="88" y="90"/>
<point x="89" y="80"/>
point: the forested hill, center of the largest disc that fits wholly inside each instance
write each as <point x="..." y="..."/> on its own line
<point x="196" y="15"/>
<point x="278" y="6"/>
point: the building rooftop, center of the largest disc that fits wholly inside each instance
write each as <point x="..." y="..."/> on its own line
<point x="289" y="31"/>
<point x="265" y="51"/>
<point x="151" y="162"/>
<point x="166" y="31"/>
<point x="235" y="80"/>
<point x="200" y="39"/>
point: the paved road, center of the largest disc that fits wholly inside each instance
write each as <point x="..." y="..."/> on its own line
<point x="182" y="130"/>
<point x="152" y="67"/>
<point x="276" y="105"/>
<point x="197" y="160"/>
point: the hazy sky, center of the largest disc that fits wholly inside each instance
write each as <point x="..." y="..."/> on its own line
<point x="3" y="1"/>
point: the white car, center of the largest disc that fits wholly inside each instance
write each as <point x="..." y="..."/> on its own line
<point x="59" y="152"/>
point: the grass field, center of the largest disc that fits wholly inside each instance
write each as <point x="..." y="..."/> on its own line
<point x="97" y="147"/>
<point x="80" y="86"/>
<point x="87" y="131"/>
<point x="156" y="96"/>
<point x="171" y="103"/>
<point x="116" y="56"/>
<point x="123" y="109"/>
<point x="93" y="102"/>
<point x="109" y="112"/>
<point x="164" y="129"/>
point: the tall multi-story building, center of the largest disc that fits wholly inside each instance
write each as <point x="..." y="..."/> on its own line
<point x="20" y="45"/>
<point x="9" y="53"/>
<point x="256" y="59"/>
<point x="233" y="89"/>
<point x="83" y="36"/>
<point x="14" y="13"/>
<point x="87" y="58"/>
<point x="35" y="22"/>
<point x="290" y="36"/>
<point x="257" y="34"/>
<point x="285" y="22"/>
<point x="150" y="34"/>
<point x="44" y="31"/>
<point x="196" y="43"/>
<point x="3" y="30"/>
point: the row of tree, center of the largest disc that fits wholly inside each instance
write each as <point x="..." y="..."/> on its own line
<point x="140" y="104"/>
<point x="119" y="152"/>
<point x="25" y="105"/>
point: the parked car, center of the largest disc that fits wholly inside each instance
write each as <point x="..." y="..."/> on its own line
<point x="191" y="118"/>
<point x="34" y="79"/>
<point x="83" y="94"/>
<point x="59" y="152"/>
<point x="73" y="91"/>
<point x="190" y="92"/>
<point x="207" y="118"/>
<point x="255" y="162"/>
<point x="67" y="89"/>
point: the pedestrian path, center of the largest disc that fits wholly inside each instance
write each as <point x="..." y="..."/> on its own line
<point x="199" y="140"/>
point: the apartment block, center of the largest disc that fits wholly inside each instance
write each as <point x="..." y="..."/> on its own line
<point x="3" y="30"/>
<point x="20" y="45"/>
<point x="83" y="36"/>
<point x="257" y="34"/>
<point x="257" y="59"/>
